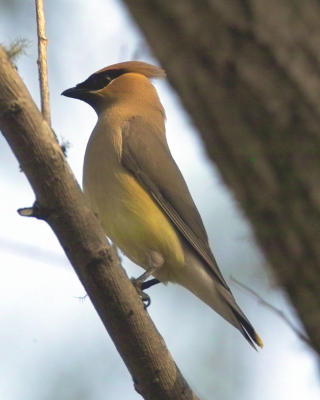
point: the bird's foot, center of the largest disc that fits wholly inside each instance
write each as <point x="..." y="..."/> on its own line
<point x="140" y="286"/>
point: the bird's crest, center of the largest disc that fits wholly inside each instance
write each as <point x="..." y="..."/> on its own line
<point x="139" y="67"/>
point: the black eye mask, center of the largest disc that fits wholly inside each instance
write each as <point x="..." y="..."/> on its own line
<point x="100" y="80"/>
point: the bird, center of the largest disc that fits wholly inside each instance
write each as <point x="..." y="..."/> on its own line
<point x="134" y="186"/>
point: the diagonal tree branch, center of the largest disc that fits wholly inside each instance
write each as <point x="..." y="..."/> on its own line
<point x="60" y="203"/>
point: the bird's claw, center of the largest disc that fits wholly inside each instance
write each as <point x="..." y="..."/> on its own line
<point x="145" y="298"/>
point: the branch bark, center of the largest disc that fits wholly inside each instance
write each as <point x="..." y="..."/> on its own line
<point x="248" y="72"/>
<point x="60" y="202"/>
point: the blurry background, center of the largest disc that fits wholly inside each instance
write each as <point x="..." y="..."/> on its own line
<point x="52" y="343"/>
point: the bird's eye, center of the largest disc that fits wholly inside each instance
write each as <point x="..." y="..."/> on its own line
<point x="99" y="81"/>
<point x="95" y="82"/>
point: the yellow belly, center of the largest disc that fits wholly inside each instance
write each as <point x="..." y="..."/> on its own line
<point x="135" y="223"/>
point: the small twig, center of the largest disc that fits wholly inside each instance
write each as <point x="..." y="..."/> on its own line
<point x="81" y="298"/>
<point x="276" y="310"/>
<point x="42" y="61"/>
<point x="65" y="145"/>
<point x="35" y="211"/>
<point x="26" y="212"/>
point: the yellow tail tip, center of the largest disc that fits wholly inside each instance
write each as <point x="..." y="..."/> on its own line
<point x="258" y="340"/>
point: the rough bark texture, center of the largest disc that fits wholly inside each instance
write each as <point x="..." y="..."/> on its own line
<point x="248" y="72"/>
<point x="61" y="204"/>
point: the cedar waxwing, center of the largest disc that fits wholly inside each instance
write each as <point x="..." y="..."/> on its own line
<point x="137" y="191"/>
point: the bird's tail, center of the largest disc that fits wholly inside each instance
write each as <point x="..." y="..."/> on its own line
<point x="247" y="329"/>
<point x="236" y="317"/>
<point x="198" y="279"/>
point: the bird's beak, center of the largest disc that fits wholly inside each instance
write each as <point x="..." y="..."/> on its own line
<point x="81" y="93"/>
<point x="75" y="93"/>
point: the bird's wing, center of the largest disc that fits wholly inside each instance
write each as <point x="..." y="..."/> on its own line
<point x="145" y="153"/>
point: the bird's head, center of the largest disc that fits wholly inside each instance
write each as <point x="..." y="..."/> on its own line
<point x="116" y="81"/>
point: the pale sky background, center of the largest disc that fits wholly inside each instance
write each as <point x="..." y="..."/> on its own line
<point x="53" y="345"/>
